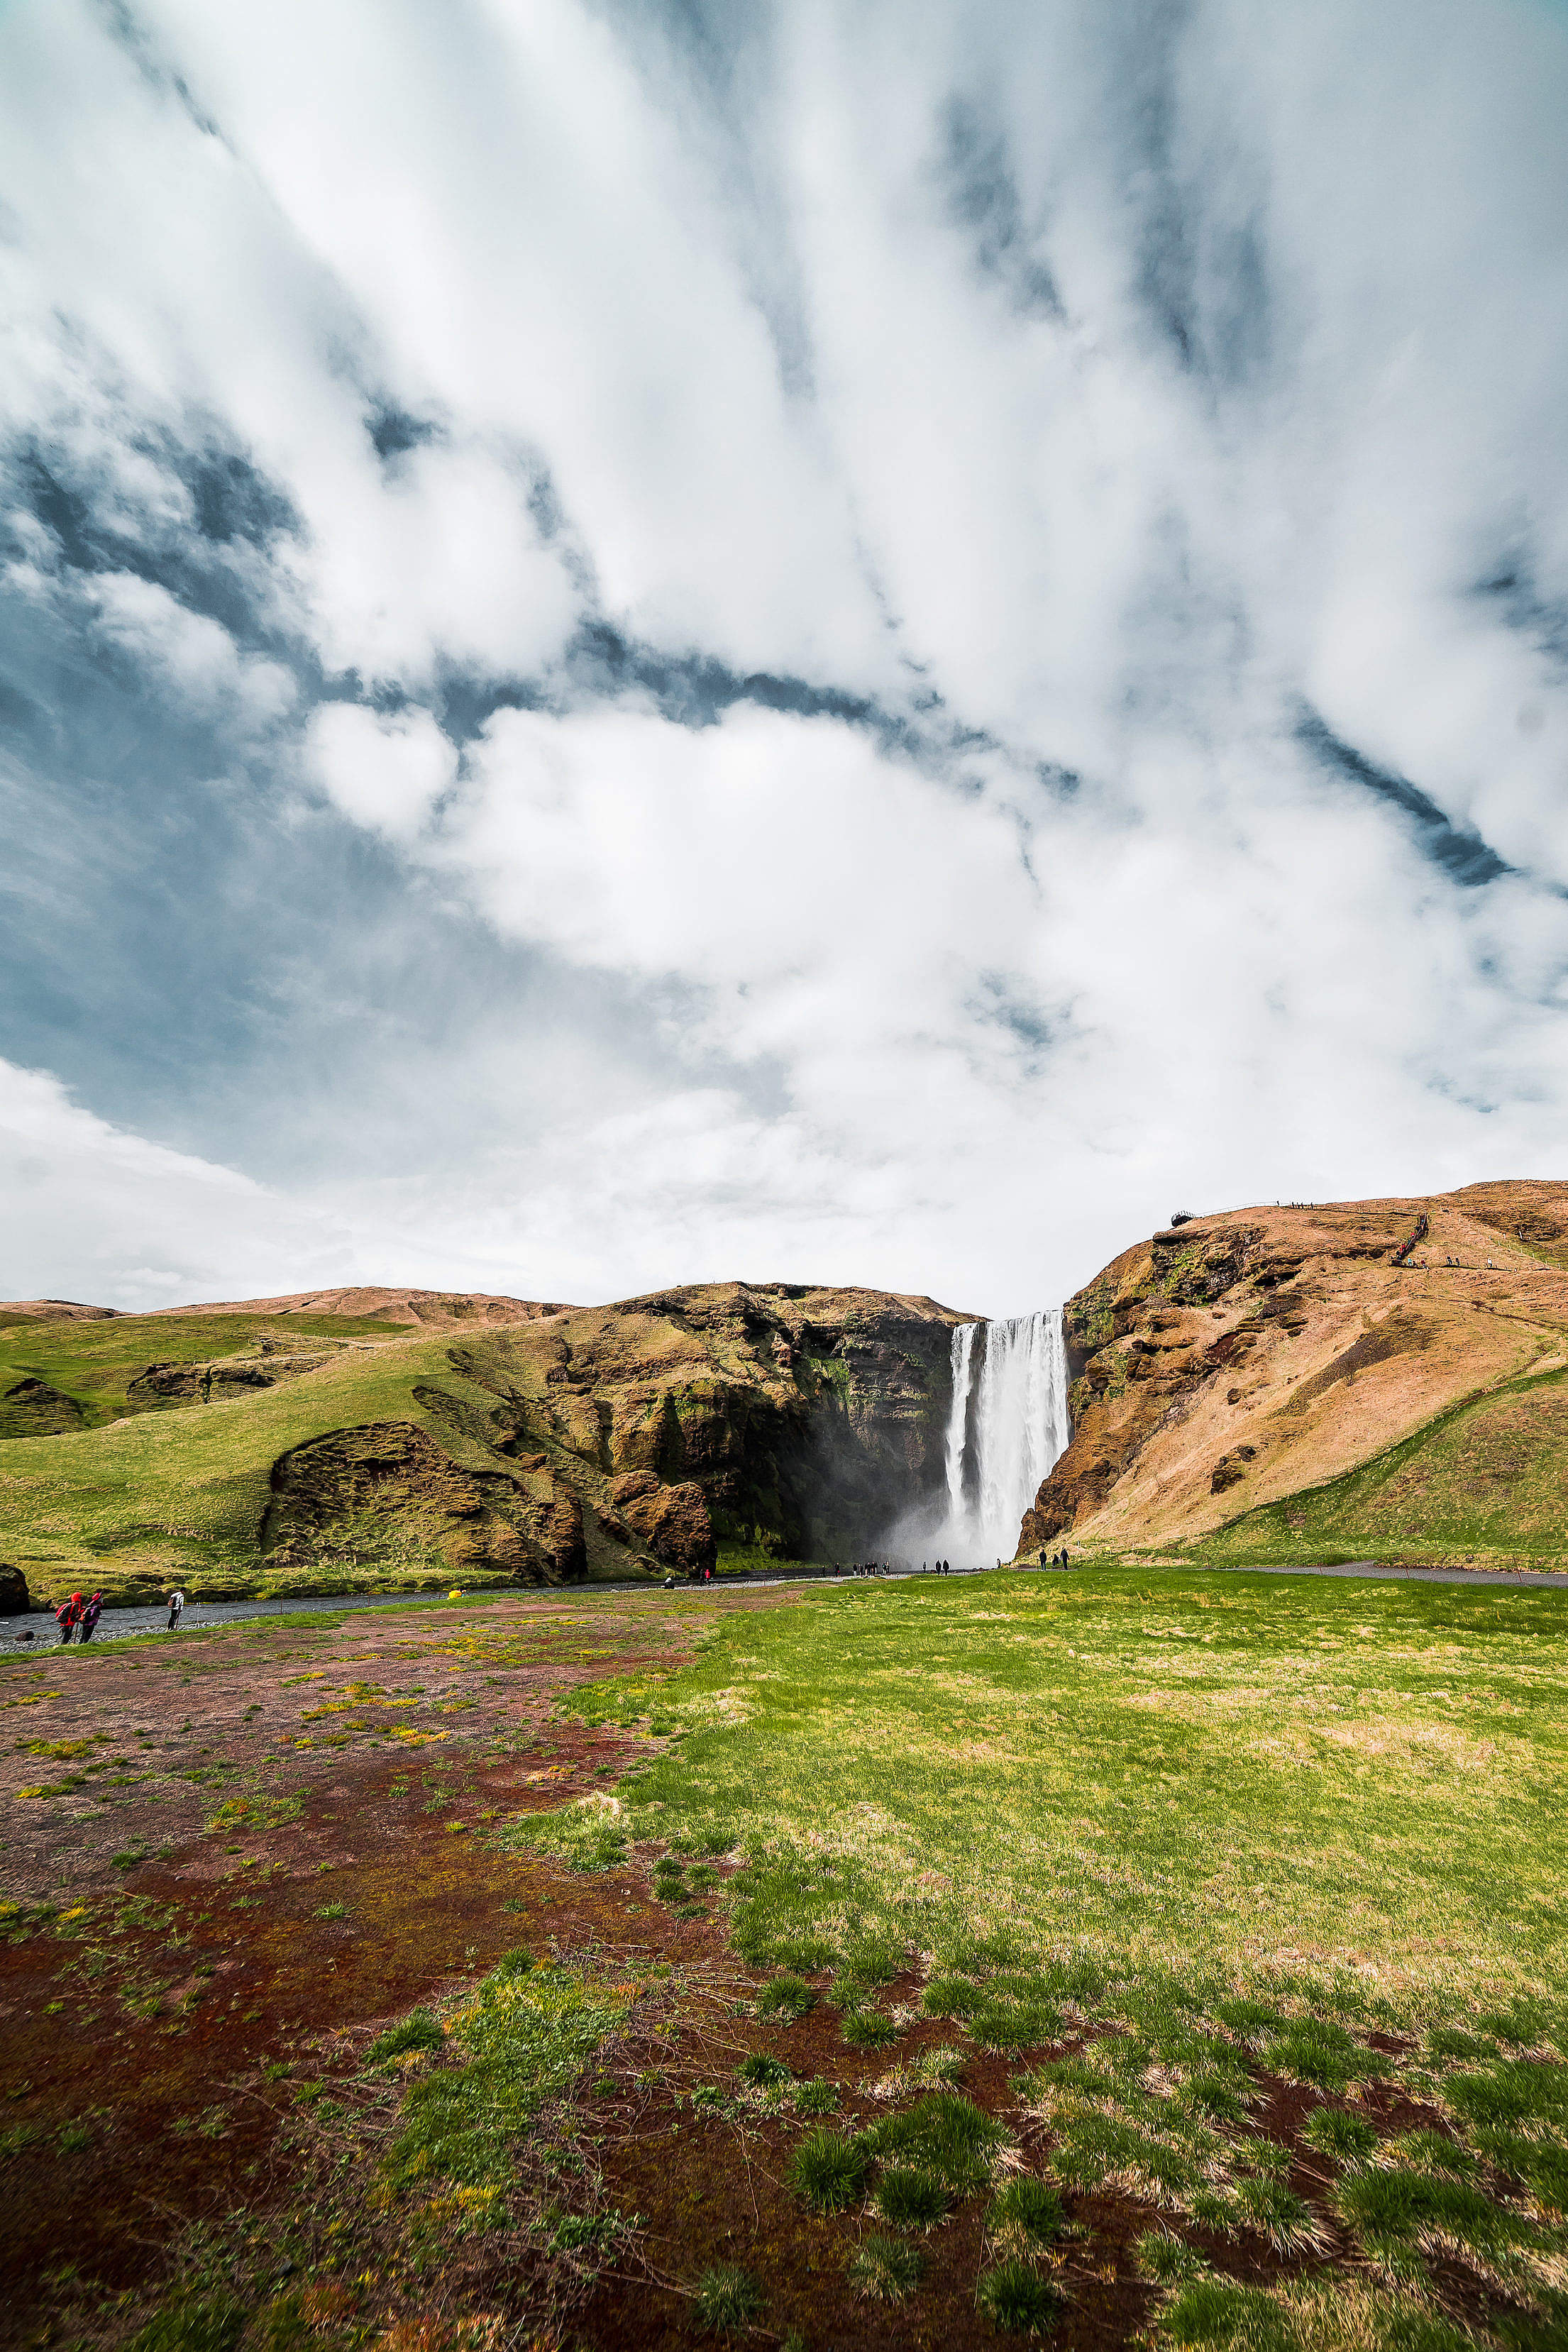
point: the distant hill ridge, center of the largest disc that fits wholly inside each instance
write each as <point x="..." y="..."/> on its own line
<point x="366" y="1301"/>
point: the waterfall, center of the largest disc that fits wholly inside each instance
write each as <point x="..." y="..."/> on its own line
<point x="1007" y="1425"/>
<point x="958" y="1414"/>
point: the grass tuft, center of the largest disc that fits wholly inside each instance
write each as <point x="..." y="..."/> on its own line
<point x="955" y="1997"/>
<point x="419" y="2031"/>
<point x="763" y="2073"/>
<point x="829" y="2170"/>
<point x="211" y="2322"/>
<point x="868" y="2029"/>
<point x="728" y="2300"/>
<point x="1167" y="2261"/>
<point x="886" y="2269"/>
<point x="788" y="1996"/>
<point x="1016" y="2299"/>
<point x="1348" y="2139"/>
<point x="911" y="2199"/>
<point x="944" y="2133"/>
<point x="1026" y="2210"/>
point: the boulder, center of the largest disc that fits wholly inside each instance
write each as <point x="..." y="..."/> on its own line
<point x="13" y="1595"/>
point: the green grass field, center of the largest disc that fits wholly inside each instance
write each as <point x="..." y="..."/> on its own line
<point x="1359" y="1785"/>
<point x="1194" y="1828"/>
<point x="1487" y="1481"/>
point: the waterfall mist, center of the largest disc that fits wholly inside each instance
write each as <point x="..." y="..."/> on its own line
<point x="1007" y="1424"/>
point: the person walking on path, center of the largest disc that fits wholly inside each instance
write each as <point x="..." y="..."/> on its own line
<point x="176" y="1604"/>
<point x="90" y="1615"/>
<point x="66" y="1616"/>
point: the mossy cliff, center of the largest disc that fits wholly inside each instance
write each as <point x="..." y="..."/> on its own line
<point x="290" y="1447"/>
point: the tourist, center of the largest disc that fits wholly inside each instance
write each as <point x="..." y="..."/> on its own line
<point x="90" y="1615"/>
<point x="177" y="1606"/>
<point x="66" y="1616"/>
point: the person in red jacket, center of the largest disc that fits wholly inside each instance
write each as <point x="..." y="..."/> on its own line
<point x="66" y="1616"/>
<point x="90" y="1617"/>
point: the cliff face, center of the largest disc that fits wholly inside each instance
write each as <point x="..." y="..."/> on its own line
<point x="1233" y="1362"/>
<point x="286" y="1447"/>
<point x="790" y="1421"/>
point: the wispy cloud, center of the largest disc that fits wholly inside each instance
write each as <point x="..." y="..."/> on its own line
<point x="656" y="641"/>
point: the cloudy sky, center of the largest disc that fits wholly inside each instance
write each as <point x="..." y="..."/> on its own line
<point x="863" y="640"/>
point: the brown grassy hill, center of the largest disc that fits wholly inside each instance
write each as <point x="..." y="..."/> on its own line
<point x="53" y="1310"/>
<point x="1233" y="1373"/>
<point x="371" y="1302"/>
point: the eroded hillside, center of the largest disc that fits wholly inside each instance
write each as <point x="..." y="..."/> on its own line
<point x="242" y="1450"/>
<point x="1231" y="1372"/>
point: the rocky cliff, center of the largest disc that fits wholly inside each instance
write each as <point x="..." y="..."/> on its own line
<point x="779" y="1418"/>
<point x="1233" y="1363"/>
<point x="281" y="1446"/>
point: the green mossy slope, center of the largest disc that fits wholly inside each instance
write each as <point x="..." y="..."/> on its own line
<point x="96" y="1362"/>
<point x="1485" y="1482"/>
<point x="184" y="1493"/>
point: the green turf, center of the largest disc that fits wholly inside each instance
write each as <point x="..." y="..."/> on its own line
<point x="1124" y="1768"/>
<point x="1486" y="1481"/>
<point x="1161" y="1837"/>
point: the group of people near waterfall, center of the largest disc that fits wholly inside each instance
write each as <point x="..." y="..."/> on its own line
<point x="78" y="1617"/>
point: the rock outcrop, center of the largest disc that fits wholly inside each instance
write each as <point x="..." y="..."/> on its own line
<point x="1236" y="1359"/>
<point x="33" y="1409"/>
<point x="163" y="1386"/>
<point x="802" y="1421"/>
<point x="673" y="1521"/>
<point x="787" y="1421"/>
<point x="387" y="1490"/>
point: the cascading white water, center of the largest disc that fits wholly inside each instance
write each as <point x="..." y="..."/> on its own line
<point x="958" y="1416"/>
<point x="1007" y="1424"/>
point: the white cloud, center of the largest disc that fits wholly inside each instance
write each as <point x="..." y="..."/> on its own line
<point x="1089" y="390"/>
<point x="102" y="1215"/>
<point x="386" y="772"/>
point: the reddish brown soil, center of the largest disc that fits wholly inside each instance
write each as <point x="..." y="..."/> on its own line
<point x="143" y="2012"/>
<point x="160" y="2020"/>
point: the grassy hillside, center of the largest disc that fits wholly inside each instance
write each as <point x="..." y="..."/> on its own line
<point x="184" y="1493"/>
<point x="94" y="1364"/>
<point x="247" y="1452"/>
<point x="1485" y="1482"/>
<point x="1280" y="1381"/>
